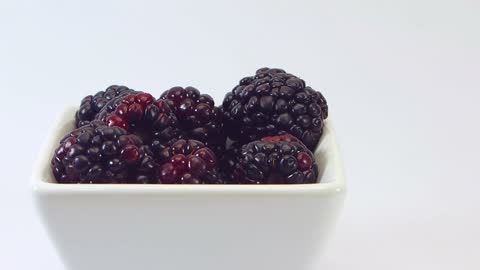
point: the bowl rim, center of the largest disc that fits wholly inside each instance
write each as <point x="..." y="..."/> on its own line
<point x="40" y="185"/>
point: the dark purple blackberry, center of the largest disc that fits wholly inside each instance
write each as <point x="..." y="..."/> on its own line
<point x="140" y="114"/>
<point x="197" y="115"/>
<point x="274" y="102"/>
<point x="274" y="160"/>
<point x="92" y="105"/>
<point x="187" y="162"/>
<point x="96" y="153"/>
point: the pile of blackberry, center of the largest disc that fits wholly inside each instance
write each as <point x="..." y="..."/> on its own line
<point x="264" y="132"/>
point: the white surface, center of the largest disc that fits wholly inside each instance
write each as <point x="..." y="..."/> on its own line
<point x="220" y="227"/>
<point x="401" y="78"/>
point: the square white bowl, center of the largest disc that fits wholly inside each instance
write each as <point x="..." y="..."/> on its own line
<point x="180" y="227"/>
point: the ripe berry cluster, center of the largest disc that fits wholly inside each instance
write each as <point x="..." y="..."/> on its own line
<point x="264" y="132"/>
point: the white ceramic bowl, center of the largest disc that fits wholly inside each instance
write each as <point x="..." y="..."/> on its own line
<point x="184" y="227"/>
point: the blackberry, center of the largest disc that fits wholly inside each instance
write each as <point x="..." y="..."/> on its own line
<point x="140" y="114"/>
<point x="96" y="153"/>
<point x="275" y="160"/>
<point x="91" y="105"/>
<point x="274" y="102"/>
<point x="187" y="162"/>
<point x="197" y="115"/>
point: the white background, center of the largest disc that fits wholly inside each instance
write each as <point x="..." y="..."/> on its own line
<point x="401" y="78"/>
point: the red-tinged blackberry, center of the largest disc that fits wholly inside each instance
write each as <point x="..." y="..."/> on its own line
<point x="96" y="153"/>
<point x="274" y="102"/>
<point x="140" y="114"/>
<point x="187" y="162"/>
<point x="91" y="105"/>
<point x="275" y="160"/>
<point x="197" y="115"/>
